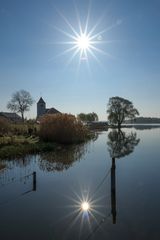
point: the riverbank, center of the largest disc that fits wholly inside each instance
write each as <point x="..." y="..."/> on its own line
<point x="12" y="147"/>
<point x="21" y="150"/>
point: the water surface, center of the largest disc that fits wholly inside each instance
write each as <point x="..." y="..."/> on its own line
<point x="117" y="174"/>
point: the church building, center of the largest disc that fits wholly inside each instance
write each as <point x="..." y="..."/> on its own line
<point x="41" y="108"/>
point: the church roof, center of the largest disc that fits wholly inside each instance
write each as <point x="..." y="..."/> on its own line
<point x="41" y="100"/>
<point x="52" y="111"/>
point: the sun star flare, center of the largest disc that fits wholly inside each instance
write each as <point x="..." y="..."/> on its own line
<point x="84" y="41"/>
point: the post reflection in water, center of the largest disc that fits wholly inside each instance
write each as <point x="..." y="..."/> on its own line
<point x="18" y="195"/>
<point x="119" y="144"/>
<point x="113" y="191"/>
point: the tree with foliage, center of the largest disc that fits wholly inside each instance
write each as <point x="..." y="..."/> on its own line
<point x="20" y="102"/>
<point x="120" y="109"/>
<point x="88" y="117"/>
<point x="82" y="117"/>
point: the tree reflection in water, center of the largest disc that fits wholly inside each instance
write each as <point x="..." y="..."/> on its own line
<point x="120" y="144"/>
<point x="62" y="158"/>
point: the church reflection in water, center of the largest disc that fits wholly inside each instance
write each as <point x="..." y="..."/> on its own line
<point x="120" y="144"/>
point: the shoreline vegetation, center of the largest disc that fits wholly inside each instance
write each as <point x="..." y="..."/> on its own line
<point x="18" y="149"/>
<point x="19" y="146"/>
<point x="52" y="133"/>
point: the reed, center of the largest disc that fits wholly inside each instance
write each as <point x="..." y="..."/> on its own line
<point x="62" y="128"/>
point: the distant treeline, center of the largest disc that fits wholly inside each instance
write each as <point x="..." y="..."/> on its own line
<point x="144" y="120"/>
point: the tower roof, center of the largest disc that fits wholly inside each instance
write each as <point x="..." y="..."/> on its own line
<point x="41" y="100"/>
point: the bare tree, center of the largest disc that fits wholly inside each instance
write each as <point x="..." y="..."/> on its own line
<point x="20" y="102"/>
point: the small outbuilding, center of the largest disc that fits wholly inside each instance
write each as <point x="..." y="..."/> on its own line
<point x="13" y="117"/>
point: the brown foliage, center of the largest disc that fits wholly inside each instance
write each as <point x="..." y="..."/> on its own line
<point x="62" y="128"/>
<point x="4" y="125"/>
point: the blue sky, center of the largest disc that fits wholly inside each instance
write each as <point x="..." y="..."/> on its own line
<point x="32" y="59"/>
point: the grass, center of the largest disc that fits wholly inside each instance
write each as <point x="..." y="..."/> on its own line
<point x="13" y="140"/>
<point x="18" y="146"/>
<point x="20" y="150"/>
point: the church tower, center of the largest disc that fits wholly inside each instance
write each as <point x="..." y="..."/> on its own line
<point x="41" y="107"/>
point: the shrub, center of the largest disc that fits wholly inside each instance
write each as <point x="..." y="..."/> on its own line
<point x="24" y="129"/>
<point x="62" y="128"/>
<point x="19" y="129"/>
<point x="4" y="125"/>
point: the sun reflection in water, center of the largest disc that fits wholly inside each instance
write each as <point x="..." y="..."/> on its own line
<point x="86" y="212"/>
<point x="85" y="206"/>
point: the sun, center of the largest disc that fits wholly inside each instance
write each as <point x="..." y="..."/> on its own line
<point x="83" y="42"/>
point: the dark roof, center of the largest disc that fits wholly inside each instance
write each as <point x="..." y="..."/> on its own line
<point x="52" y="111"/>
<point x="11" y="116"/>
<point x="41" y="100"/>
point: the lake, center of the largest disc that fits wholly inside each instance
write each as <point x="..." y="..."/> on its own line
<point x="105" y="189"/>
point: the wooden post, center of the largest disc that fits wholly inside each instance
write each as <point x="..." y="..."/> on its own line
<point x="113" y="191"/>
<point x="34" y="181"/>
